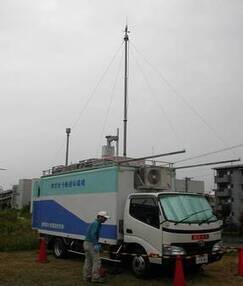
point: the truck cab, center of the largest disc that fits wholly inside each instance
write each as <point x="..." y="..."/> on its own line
<point x="163" y="225"/>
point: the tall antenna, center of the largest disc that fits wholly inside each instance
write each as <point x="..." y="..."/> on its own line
<point x="126" y="39"/>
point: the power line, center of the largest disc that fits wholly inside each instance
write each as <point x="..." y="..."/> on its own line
<point x="207" y="164"/>
<point x="209" y="153"/>
<point x="96" y="86"/>
<point x="158" y="104"/>
<point x="110" y="103"/>
<point x="180" y="96"/>
<point x="89" y="98"/>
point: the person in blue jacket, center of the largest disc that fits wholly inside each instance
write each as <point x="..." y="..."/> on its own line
<point x="92" y="248"/>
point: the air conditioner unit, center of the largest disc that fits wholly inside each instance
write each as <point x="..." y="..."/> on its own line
<point x="153" y="178"/>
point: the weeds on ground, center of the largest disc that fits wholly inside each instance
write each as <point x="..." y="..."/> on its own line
<point x="16" y="232"/>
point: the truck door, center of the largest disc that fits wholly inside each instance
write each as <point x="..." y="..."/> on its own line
<point x="142" y="223"/>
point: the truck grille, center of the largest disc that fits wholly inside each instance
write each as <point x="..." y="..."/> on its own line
<point x="199" y="247"/>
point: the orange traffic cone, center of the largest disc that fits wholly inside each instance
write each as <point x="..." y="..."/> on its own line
<point x="42" y="258"/>
<point x="240" y="262"/>
<point x="179" y="279"/>
<point x="103" y="272"/>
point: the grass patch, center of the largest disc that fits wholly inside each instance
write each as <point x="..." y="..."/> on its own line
<point x="16" y="232"/>
<point x="20" y="269"/>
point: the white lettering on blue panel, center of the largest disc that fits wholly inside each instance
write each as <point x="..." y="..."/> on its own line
<point x="52" y="225"/>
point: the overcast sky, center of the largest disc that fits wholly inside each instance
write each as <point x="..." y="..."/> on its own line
<point x="62" y="66"/>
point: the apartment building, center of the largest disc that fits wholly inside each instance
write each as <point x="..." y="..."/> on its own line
<point x="23" y="193"/>
<point x="229" y="193"/>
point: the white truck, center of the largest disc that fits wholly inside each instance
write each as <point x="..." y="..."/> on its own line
<point x="149" y="222"/>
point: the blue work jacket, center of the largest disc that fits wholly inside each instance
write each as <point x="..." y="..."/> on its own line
<point x="93" y="232"/>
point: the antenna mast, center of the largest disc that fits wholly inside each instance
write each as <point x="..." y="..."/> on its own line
<point x="126" y="39"/>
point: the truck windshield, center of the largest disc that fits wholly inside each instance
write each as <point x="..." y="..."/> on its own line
<point x="186" y="208"/>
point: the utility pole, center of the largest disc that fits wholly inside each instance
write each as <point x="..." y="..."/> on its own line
<point x="187" y="180"/>
<point x="68" y="131"/>
<point x="117" y="142"/>
<point x="126" y="39"/>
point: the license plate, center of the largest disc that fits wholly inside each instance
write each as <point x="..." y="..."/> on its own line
<point x="201" y="259"/>
<point x="200" y="236"/>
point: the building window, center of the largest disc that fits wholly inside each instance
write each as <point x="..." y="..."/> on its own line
<point x="221" y="173"/>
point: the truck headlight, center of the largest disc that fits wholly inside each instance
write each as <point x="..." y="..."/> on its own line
<point x="173" y="250"/>
<point x="218" y="246"/>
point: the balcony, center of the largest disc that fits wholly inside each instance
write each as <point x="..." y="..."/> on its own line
<point x="224" y="179"/>
<point x="218" y="208"/>
<point x="241" y="195"/>
<point x="223" y="193"/>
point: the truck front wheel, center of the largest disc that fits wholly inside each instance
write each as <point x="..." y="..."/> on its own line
<point x="141" y="265"/>
<point x="59" y="248"/>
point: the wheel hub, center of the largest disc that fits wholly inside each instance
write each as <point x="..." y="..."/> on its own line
<point x="139" y="264"/>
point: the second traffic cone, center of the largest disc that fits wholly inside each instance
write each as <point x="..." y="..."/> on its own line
<point x="42" y="258"/>
<point x="179" y="279"/>
<point x="240" y="262"/>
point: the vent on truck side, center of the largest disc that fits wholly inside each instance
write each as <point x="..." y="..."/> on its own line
<point x="152" y="178"/>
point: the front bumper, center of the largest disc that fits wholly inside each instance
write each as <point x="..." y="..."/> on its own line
<point x="191" y="260"/>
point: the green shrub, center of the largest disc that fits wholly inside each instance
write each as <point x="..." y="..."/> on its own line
<point x="16" y="232"/>
<point x="25" y="211"/>
<point x="8" y="215"/>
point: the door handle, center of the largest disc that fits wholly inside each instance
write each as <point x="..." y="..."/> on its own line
<point x="128" y="230"/>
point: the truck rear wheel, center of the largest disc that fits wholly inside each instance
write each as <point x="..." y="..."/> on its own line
<point x="59" y="248"/>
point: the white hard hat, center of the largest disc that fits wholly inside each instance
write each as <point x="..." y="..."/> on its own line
<point x="104" y="214"/>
